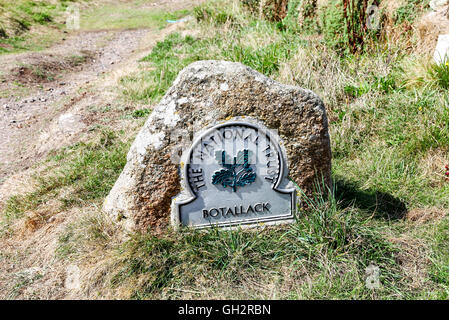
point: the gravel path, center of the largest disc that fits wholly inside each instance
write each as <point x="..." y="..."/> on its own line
<point x="23" y="119"/>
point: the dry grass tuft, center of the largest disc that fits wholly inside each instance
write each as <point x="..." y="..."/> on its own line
<point x="413" y="259"/>
<point x="424" y="215"/>
<point x="317" y="69"/>
<point x="432" y="166"/>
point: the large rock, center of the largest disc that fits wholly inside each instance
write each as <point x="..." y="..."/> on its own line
<point x="204" y="93"/>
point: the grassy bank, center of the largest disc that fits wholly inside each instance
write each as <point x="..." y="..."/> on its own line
<point x="388" y="113"/>
<point x="31" y="25"/>
<point x="388" y="110"/>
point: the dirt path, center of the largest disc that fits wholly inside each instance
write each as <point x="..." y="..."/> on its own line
<point x="46" y="102"/>
<point x="54" y="79"/>
<point x="39" y="88"/>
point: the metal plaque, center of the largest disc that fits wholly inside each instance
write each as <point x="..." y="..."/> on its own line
<point x="235" y="173"/>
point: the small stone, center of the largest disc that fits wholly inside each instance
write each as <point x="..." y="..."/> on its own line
<point x="438" y="4"/>
<point x="441" y="54"/>
<point x="72" y="280"/>
<point x="70" y="123"/>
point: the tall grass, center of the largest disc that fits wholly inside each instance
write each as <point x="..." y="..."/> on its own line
<point x="323" y="238"/>
<point x="383" y="133"/>
<point x="89" y="170"/>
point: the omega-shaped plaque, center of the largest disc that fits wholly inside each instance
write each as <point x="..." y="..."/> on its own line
<point x="235" y="173"/>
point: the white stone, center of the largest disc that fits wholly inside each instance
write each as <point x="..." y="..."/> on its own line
<point x="70" y="123"/>
<point x="441" y="54"/>
<point x="437" y="4"/>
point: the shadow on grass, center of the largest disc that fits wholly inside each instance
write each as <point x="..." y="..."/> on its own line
<point x="383" y="204"/>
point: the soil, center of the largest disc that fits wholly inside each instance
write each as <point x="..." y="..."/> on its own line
<point x="48" y="100"/>
<point x="51" y="79"/>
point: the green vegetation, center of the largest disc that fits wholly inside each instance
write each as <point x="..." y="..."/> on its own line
<point x="390" y="140"/>
<point x="138" y="14"/>
<point x="440" y="259"/>
<point x="89" y="170"/>
<point x="140" y="113"/>
<point x="18" y="19"/>
<point x="336" y="243"/>
<point x="388" y="112"/>
<point x="440" y="74"/>
<point x="35" y="25"/>
<point x="410" y="11"/>
<point x="174" y="53"/>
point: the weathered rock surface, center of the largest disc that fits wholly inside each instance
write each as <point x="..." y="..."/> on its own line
<point x="204" y="93"/>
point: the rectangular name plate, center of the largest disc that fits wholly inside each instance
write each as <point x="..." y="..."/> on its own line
<point x="235" y="173"/>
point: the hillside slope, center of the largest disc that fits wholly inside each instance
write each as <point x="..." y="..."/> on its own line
<point x="71" y="115"/>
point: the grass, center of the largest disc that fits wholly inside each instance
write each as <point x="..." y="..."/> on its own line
<point x="382" y="132"/>
<point x="332" y="243"/>
<point x="23" y="280"/>
<point x="89" y="170"/>
<point x="409" y="11"/>
<point x="138" y="14"/>
<point x="35" y="25"/>
<point x="175" y="52"/>
<point x="388" y="118"/>
<point x="30" y="25"/>
<point x="93" y="231"/>
<point x="440" y="74"/>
